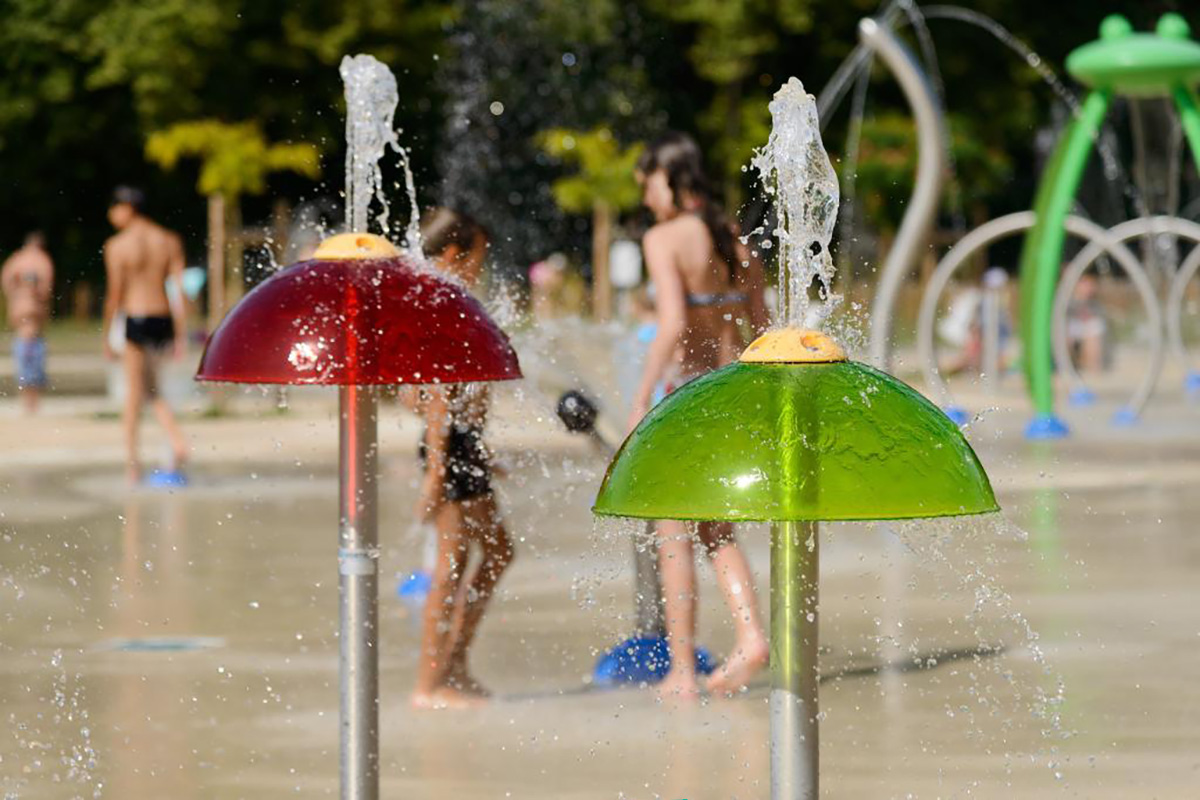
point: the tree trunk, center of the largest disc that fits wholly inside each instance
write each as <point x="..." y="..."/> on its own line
<point x="216" y="260"/>
<point x="281" y="224"/>
<point x="602" y="299"/>
<point x="235" y="252"/>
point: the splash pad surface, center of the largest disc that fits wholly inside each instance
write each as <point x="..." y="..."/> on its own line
<point x="1110" y="588"/>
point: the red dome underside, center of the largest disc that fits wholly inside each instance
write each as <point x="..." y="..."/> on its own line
<point x="365" y="322"/>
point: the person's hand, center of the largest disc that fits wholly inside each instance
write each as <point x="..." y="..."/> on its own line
<point x="641" y="405"/>
<point x="429" y="499"/>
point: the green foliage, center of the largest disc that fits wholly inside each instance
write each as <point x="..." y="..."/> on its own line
<point x="605" y="172"/>
<point x="399" y="30"/>
<point x="83" y="83"/>
<point x="731" y="37"/>
<point x="888" y="162"/>
<point x="732" y="34"/>
<point x="160" y="50"/>
<point x="235" y="157"/>
<point x="735" y="134"/>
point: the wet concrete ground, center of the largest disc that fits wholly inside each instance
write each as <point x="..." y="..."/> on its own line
<point x="183" y="644"/>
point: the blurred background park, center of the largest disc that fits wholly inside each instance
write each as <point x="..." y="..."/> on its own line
<point x="527" y="115"/>
<point x="213" y="676"/>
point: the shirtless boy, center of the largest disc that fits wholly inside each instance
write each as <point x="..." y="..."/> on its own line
<point x="27" y="279"/>
<point x="138" y="260"/>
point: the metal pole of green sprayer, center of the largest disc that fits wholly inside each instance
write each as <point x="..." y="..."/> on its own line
<point x="795" y="744"/>
<point x="358" y="627"/>
<point x="795" y="572"/>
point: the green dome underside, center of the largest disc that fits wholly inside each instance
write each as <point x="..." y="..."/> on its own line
<point x="836" y="441"/>
<point x="1140" y="64"/>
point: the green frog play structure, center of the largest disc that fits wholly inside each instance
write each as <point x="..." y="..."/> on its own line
<point x="1121" y="62"/>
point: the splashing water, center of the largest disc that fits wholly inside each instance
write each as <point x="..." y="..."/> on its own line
<point x="963" y="550"/>
<point x="794" y="168"/>
<point x="371" y="100"/>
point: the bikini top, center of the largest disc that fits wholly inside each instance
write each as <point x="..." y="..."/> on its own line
<point x="706" y="299"/>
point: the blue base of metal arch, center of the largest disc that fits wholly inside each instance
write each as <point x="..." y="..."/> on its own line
<point x="1125" y="417"/>
<point x="1046" y="426"/>
<point x="1082" y="397"/>
<point x="165" y="479"/>
<point x="957" y="414"/>
<point x="642" y="659"/>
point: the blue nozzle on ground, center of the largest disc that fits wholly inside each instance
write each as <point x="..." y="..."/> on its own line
<point x="1191" y="383"/>
<point x="642" y="659"/>
<point x="1081" y="397"/>
<point x="957" y="414"/>
<point x="166" y="479"/>
<point x="414" y="588"/>
<point x="1046" y="426"/>
<point x="1125" y="417"/>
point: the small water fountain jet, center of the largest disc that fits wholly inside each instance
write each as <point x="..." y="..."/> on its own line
<point x="795" y="170"/>
<point x="795" y="433"/>
<point x="358" y="315"/>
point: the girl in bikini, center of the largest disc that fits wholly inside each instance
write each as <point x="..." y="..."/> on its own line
<point x="708" y="292"/>
<point x="456" y="495"/>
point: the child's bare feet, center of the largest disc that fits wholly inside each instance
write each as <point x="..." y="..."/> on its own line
<point x="462" y="680"/>
<point x="444" y="698"/>
<point x="179" y="459"/>
<point x="133" y="474"/>
<point x="746" y="661"/>
<point x="679" y="687"/>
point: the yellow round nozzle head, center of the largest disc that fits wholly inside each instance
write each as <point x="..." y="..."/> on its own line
<point x="355" y="246"/>
<point x="793" y="346"/>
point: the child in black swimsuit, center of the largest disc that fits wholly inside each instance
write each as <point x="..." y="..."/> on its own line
<point x="456" y="495"/>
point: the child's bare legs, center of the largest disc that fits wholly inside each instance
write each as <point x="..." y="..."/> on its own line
<point x="134" y="359"/>
<point x="750" y="650"/>
<point x="166" y="418"/>
<point x="1091" y="352"/>
<point x="678" y="574"/>
<point x="483" y="525"/>
<point x="455" y="606"/>
<point x="30" y="395"/>
<point x="162" y="410"/>
<point x="437" y="627"/>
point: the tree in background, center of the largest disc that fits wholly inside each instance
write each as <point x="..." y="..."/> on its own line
<point x="84" y="82"/>
<point x="731" y="37"/>
<point x="603" y="186"/>
<point x="235" y="159"/>
<point x="515" y="70"/>
<point x="888" y="162"/>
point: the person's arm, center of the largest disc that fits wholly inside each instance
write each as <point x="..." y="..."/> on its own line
<point x="671" y="318"/>
<point x="178" y="311"/>
<point x="46" y="285"/>
<point x="437" y="431"/>
<point x="8" y="277"/>
<point x="113" y="292"/>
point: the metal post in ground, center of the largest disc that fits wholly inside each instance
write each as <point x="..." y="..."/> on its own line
<point x="358" y="559"/>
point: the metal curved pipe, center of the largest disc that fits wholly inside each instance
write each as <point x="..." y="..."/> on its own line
<point x="931" y="171"/>
<point x="981" y="237"/>
<point x="1121" y="233"/>
<point x="1187" y="271"/>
